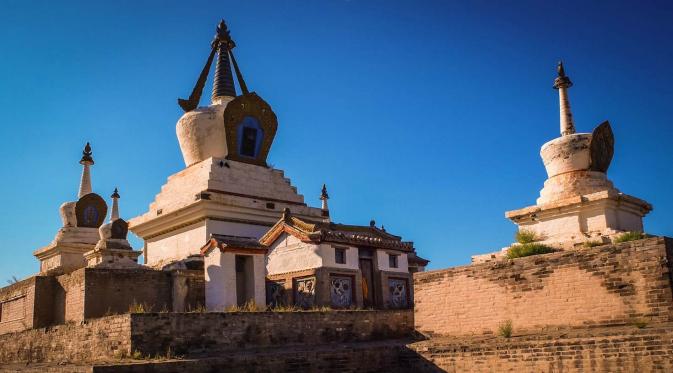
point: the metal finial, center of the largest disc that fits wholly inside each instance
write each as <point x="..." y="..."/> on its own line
<point x="223" y="81"/>
<point x="560" y="70"/>
<point x="86" y="155"/>
<point x="562" y="81"/>
<point x="115" y="194"/>
<point x="372" y="223"/>
<point x="323" y="194"/>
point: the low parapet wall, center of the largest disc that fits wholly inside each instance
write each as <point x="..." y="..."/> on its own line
<point x="607" y="285"/>
<point x="605" y="350"/>
<point x="190" y="334"/>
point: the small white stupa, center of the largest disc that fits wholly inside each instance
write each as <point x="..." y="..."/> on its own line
<point x="112" y="249"/>
<point x="578" y="203"/>
<point x="79" y="233"/>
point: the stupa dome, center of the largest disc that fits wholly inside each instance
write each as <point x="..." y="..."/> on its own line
<point x="567" y="153"/>
<point x="201" y="132"/>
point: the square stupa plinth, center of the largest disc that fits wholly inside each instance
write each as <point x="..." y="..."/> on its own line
<point x="591" y="217"/>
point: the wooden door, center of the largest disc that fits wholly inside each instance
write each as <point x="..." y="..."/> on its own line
<point x="367" y="268"/>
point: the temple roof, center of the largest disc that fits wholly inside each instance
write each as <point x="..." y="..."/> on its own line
<point x="317" y="232"/>
<point x="232" y="243"/>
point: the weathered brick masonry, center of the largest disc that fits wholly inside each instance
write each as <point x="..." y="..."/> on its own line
<point x="213" y="332"/>
<point x="98" y="339"/>
<point x="94" y="292"/>
<point x="189" y="334"/>
<point x="608" y="349"/>
<point x="606" y="285"/>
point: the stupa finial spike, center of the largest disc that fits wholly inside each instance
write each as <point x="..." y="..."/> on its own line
<point x="324" y="197"/>
<point x="85" y="180"/>
<point x="114" y="215"/>
<point x="223" y="82"/>
<point x="562" y="83"/>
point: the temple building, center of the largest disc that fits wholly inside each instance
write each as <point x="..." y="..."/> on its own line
<point x="228" y="230"/>
<point x="228" y="198"/>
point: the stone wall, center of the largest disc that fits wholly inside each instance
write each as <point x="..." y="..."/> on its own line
<point x="94" y="292"/>
<point x="613" y="349"/>
<point x="110" y="291"/>
<point x="195" y="333"/>
<point x="106" y="338"/>
<point x="606" y="285"/>
<point x="68" y="297"/>
<point x="16" y="306"/>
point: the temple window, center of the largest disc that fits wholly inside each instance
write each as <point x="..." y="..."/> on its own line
<point x="340" y="255"/>
<point x="250" y="137"/>
<point x="392" y="260"/>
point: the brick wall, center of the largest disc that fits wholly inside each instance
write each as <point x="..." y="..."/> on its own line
<point x="68" y="297"/>
<point x="613" y="349"/>
<point x="195" y="333"/>
<point x="109" y="291"/>
<point x="608" y="285"/>
<point x="192" y="333"/>
<point x="100" y="339"/>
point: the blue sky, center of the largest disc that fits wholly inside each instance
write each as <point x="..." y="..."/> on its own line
<point x="427" y="116"/>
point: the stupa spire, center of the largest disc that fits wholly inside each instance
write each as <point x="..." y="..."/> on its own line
<point x="114" y="215"/>
<point x="223" y="82"/>
<point x="324" y="197"/>
<point x="562" y="83"/>
<point x="86" y="162"/>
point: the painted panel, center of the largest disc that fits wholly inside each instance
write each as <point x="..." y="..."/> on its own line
<point x="398" y="293"/>
<point x="304" y="292"/>
<point x="341" y="291"/>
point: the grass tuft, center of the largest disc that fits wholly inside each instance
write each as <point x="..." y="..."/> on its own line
<point x="640" y="324"/>
<point x="524" y="236"/>
<point x="505" y="329"/>
<point x="249" y="306"/>
<point x="139" y="307"/>
<point x="590" y="244"/>
<point x="629" y="236"/>
<point x="528" y="249"/>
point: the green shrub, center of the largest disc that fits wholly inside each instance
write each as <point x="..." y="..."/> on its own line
<point x="525" y="236"/>
<point x="528" y="249"/>
<point x="505" y="329"/>
<point x="589" y="244"/>
<point x="640" y="324"/>
<point x="629" y="236"/>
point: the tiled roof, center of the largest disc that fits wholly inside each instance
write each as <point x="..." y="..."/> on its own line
<point x="224" y="242"/>
<point x="316" y="232"/>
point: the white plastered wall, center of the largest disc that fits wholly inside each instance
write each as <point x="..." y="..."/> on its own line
<point x="178" y="244"/>
<point x="326" y="252"/>
<point x="220" y="276"/>
<point x="382" y="260"/>
<point x="235" y="229"/>
<point x="289" y="254"/>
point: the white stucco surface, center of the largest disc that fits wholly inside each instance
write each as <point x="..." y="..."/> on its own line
<point x="289" y="254"/>
<point x="382" y="261"/>
<point x="177" y="244"/>
<point x="326" y="252"/>
<point x="235" y="229"/>
<point x="220" y="276"/>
